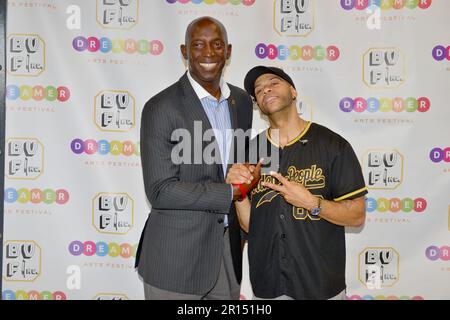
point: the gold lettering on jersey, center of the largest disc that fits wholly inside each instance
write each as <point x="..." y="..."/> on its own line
<point x="264" y="178"/>
<point x="311" y="178"/>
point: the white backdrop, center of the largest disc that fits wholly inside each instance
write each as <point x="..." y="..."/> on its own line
<point x="79" y="73"/>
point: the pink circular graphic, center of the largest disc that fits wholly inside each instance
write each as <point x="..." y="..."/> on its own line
<point x="447" y="154"/>
<point x="156" y="47"/>
<point x="420" y="204"/>
<point x="59" y="295"/>
<point x="360" y="105"/>
<point x="273" y="52"/>
<point x="90" y="146"/>
<point x="445" y="253"/>
<point x="62" y="196"/>
<point x="424" y="104"/>
<point x="89" y="248"/>
<point x="333" y="53"/>
<point x="63" y="94"/>
<point x="424" y="4"/>
<point x="93" y="44"/>
<point x="361" y="4"/>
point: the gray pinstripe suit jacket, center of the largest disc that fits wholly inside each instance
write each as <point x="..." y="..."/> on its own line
<point x="181" y="245"/>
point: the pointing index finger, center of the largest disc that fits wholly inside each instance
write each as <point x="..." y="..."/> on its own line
<point x="280" y="177"/>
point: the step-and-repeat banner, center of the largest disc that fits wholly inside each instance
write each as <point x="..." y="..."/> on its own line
<point x="79" y="73"/>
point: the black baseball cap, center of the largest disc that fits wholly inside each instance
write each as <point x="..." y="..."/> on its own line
<point x="254" y="73"/>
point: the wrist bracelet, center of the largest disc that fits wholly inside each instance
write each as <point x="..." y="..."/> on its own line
<point x="243" y="191"/>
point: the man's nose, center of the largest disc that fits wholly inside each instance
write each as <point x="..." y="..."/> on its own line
<point x="209" y="51"/>
<point x="267" y="88"/>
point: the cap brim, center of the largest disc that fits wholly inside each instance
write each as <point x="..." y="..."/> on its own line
<point x="256" y="72"/>
<point x="252" y="75"/>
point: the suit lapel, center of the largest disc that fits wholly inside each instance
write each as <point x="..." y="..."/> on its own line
<point x="232" y="107"/>
<point x="195" y="108"/>
<point x="193" y="104"/>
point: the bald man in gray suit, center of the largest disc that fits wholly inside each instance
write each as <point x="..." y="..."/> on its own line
<point x="190" y="247"/>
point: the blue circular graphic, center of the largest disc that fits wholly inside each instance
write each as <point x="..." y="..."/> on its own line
<point x="105" y="45"/>
<point x="103" y="147"/>
<point x="371" y="205"/>
<point x="102" y="249"/>
<point x="11" y="195"/>
<point x="12" y="92"/>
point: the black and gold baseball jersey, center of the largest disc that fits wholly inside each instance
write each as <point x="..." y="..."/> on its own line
<point x="291" y="252"/>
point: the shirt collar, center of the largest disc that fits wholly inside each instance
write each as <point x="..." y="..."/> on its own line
<point x="202" y="93"/>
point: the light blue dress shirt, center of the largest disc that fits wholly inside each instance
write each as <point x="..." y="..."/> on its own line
<point x="219" y="117"/>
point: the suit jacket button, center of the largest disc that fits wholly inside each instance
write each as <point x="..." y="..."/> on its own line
<point x="220" y="220"/>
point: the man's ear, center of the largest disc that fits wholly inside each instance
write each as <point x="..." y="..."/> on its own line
<point x="184" y="51"/>
<point x="294" y="93"/>
<point x="229" y="47"/>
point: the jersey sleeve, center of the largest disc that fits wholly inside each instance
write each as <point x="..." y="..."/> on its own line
<point x="347" y="180"/>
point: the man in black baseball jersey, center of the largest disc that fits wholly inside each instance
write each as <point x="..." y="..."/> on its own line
<point x="295" y="217"/>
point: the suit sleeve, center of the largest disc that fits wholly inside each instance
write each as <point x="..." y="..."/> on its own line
<point x="163" y="187"/>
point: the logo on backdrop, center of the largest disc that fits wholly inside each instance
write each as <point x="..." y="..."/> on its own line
<point x="383" y="169"/>
<point x="24" y="158"/>
<point x="384" y="68"/>
<point x="36" y="196"/>
<point x="110" y="296"/>
<point x="22" y="261"/>
<point x="373" y="105"/>
<point x="104" y="147"/>
<point x="440" y="154"/>
<point x="385" y="5"/>
<point x="102" y="249"/>
<point x="117" y="14"/>
<point x="294" y="52"/>
<point x="113" y="213"/>
<point x="441" y="53"/>
<point x="394" y="205"/>
<point x="434" y="253"/>
<point x="26" y="55"/>
<point x="114" y="110"/>
<point x="379" y="267"/>
<point x="106" y="45"/>
<point x="37" y="93"/>
<point x="294" y="18"/>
